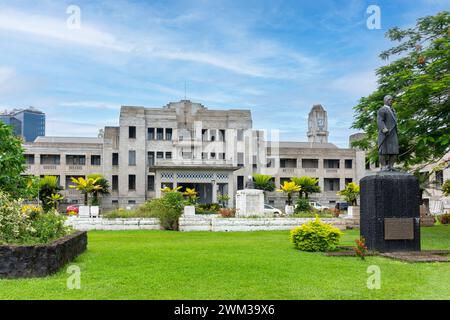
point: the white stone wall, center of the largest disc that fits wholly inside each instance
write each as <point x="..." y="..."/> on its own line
<point x="113" y="224"/>
<point x="199" y="223"/>
<point x="216" y="223"/>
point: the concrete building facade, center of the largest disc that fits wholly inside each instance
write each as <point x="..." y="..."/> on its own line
<point x="186" y="144"/>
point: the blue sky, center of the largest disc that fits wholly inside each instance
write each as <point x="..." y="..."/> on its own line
<point x="277" y="58"/>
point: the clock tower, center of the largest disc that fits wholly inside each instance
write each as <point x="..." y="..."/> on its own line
<point x="318" y="125"/>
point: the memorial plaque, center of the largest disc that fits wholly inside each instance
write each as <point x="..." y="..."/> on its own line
<point x="398" y="228"/>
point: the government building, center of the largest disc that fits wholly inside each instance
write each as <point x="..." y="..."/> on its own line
<point x="186" y="144"/>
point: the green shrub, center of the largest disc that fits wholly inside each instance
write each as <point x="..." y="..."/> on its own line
<point x="315" y="236"/>
<point x="167" y="209"/>
<point x="302" y="204"/>
<point x="444" y="218"/>
<point x="207" y="208"/>
<point x="26" y="225"/>
<point x="122" y="213"/>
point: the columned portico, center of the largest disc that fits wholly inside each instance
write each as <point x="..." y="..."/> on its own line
<point x="208" y="181"/>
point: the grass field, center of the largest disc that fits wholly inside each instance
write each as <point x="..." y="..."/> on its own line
<point x="238" y="265"/>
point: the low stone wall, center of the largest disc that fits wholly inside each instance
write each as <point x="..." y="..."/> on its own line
<point x="40" y="260"/>
<point x="113" y="224"/>
<point x="199" y="223"/>
<point x="216" y="223"/>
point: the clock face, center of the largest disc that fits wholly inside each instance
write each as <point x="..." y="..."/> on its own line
<point x="320" y="123"/>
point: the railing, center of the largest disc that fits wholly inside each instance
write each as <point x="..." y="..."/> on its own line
<point x="76" y="167"/>
<point x="49" y="167"/>
<point x="331" y="170"/>
<point x="311" y="170"/>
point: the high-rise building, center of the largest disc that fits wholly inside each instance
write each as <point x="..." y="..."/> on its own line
<point x="28" y="123"/>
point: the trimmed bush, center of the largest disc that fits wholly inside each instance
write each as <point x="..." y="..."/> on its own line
<point x="444" y="218"/>
<point x="167" y="209"/>
<point x="302" y="205"/>
<point x="315" y="236"/>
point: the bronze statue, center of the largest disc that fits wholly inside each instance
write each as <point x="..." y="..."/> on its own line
<point x="387" y="135"/>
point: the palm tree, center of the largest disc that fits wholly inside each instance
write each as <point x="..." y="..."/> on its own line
<point x="102" y="187"/>
<point x="86" y="186"/>
<point x="308" y="185"/>
<point x="191" y="195"/>
<point x="264" y="182"/>
<point x="350" y="193"/>
<point x="289" y="187"/>
<point x="54" y="199"/>
<point x="48" y="185"/>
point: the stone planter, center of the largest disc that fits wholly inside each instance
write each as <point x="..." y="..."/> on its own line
<point x="426" y="219"/>
<point x="84" y="211"/>
<point x="289" y="209"/>
<point x="94" y="211"/>
<point x="353" y="211"/>
<point x="40" y="260"/>
<point x="189" y="211"/>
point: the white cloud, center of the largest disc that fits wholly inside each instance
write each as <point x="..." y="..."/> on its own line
<point x="13" y="20"/>
<point x="90" y="104"/>
<point x="358" y="84"/>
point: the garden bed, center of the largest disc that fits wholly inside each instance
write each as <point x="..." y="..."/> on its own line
<point x="26" y="261"/>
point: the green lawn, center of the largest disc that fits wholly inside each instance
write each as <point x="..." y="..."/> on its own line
<point x="237" y="265"/>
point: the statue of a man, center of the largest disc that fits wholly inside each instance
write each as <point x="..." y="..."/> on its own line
<point x="250" y="184"/>
<point x="387" y="135"/>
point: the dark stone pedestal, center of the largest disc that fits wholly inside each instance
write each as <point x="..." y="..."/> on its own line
<point x="390" y="215"/>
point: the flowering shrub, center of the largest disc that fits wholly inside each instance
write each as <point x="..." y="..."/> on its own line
<point x="227" y="212"/>
<point x="361" y="248"/>
<point x="444" y="218"/>
<point x="28" y="224"/>
<point x="72" y="213"/>
<point x="315" y="236"/>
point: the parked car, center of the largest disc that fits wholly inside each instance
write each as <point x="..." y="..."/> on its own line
<point x="268" y="209"/>
<point x="341" y="205"/>
<point x="318" y="206"/>
<point x="72" y="208"/>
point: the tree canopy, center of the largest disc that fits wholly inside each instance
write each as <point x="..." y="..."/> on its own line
<point x="419" y="81"/>
<point x="12" y="165"/>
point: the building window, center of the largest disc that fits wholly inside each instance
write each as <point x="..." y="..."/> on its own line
<point x="115" y="183"/>
<point x="132" y="182"/>
<point x="213" y="155"/>
<point x="213" y="134"/>
<point x="151" y="183"/>
<point x="159" y="134"/>
<point x="288" y="163"/>
<point x="284" y="179"/>
<point x="204" y="156"/>
<point x="186" y="155"/>
<point x="255" y="162"/>
<point x="132" y="132"/>
<point x="240" y="182"/>
<point x="151" y="134"/>
<point x="160" y="155"/>
<point x="29" y="158"/>
<point x="221" y="155"/>
<point x="115" y="159"/>
<point x="75" y="160"/>
<point x="95" y="160"/>
<point x="270" y="163"/>
<point x="131" y="201"/>
<point x="115" y="202"/>
<point x="348" y="164"/>
<point x="331" y="184"/>
<point x="168" y="134"/>
<point x="168" y="155"/>
<point x="204" y="134"/>
<point x="131" y="157"/>
<point x="331" y="164"/>
<point x="439" y="177"/>
<point x="221" y="135"/>
<point x="240" y="134"/>
<point x="50" y="159"/>
<point x="240" y="159"/>
<point x="310" y="163"/>
<point x="348" y="180"/>
<point x="151" y="158"/>
<point x="166" y="185"/>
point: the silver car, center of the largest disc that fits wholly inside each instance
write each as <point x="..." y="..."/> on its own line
<point x="268" y="209"/>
